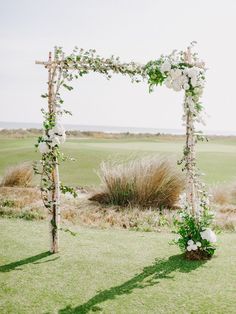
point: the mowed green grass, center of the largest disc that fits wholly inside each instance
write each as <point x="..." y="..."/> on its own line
<point x="110" y="271"/>
<point x="215" y="158"/>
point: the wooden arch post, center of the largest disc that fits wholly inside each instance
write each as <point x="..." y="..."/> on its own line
<point x="191" y="194"/>
<point x="54" y="194"/>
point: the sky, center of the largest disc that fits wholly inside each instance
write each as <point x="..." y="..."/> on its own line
<point x="134" y="30"/>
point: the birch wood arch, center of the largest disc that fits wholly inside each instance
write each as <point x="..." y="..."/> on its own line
<point x="179" y="71"/>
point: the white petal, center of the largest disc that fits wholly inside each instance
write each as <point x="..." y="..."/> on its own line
<point x="43" y="148"/>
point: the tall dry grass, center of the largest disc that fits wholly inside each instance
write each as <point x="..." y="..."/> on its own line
<point x="19" y="175"/>
<point x="145" y="182"/>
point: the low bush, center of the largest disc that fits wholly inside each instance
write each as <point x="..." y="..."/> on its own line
<point x="19" y="175"/>
<point x="145" y="182"/>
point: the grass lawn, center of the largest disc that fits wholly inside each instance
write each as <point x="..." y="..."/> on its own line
<point x="216" y="158"/>
<point x="110" y="271"/>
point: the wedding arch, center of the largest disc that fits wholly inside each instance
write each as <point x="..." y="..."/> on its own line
<point x="181" y="70"/>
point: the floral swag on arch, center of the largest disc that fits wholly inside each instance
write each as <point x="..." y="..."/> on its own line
<point x="177" y="71"/>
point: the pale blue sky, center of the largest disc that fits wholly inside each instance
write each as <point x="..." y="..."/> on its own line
<point x="138" y="30"/>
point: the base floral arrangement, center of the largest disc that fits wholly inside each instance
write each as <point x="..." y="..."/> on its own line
<point x="195" y="237"/>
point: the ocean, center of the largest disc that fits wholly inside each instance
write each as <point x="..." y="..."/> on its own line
<point x="110" y="129"/>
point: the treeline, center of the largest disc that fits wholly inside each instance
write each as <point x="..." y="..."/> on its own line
<point x="33" y="132"/>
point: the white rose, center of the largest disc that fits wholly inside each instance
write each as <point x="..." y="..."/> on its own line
<point x="208" y="235"/>
<point x="43" y="148"/>
<point x="190" y="242"/>
<point x="55" y="141"/>
<point x="168" y="83"/>
<point x="165" y="67"/>
<point x="189" y="248"/>
<point x="193" y="72"/>
<point x="198" y="244"/>
<point x="186" y="86"/>
<point x="51" y="132"/>
<point x="58" y="131"/>
<point x="194" y="81"/>
<point x="176" y="85"/>
<point x="175" y="73"/>
<point x="194" y="247"/>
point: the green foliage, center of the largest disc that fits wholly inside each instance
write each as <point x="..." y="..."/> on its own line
<point x="188" y="227"/>
<point x="7" y="203"/>
<point x="155" y="76"/>
<point x="68" y="189"/>
<point x="24" y="213"/>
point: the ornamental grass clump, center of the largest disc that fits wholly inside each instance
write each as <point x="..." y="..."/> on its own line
<point x="146" y="182"/>
<point x="20" y="175"/>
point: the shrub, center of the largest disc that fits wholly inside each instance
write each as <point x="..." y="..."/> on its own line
<point x="19" y="175"/>
<point x="145" y="182"/>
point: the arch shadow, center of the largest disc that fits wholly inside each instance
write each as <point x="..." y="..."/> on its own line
<point x="32" y="259"/>
<point x="150" y="276"/>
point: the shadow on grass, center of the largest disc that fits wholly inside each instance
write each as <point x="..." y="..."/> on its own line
<point x="150" y="276"/>
<point x="32" y="259"/>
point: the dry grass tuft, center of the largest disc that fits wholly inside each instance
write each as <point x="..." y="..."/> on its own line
<point x="145" y="182"/>
<point x="26" y="203"/>
<point x="221" y="194"/>
<point x="19" y="175"/>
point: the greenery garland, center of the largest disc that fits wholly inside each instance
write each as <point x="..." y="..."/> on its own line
<point x="184" y="71"/>
<point x="178" y="71"/>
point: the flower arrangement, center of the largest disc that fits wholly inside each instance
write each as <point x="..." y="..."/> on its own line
<point x="195" y="236"/>
<point x="185" y="71"/>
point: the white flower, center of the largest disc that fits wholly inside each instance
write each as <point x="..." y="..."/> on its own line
<point x="57" y="131"/>
<point x="190" y="242"/>
<point x="176" y="85"/>
<point x="186" y="86"/>
<point x="130" y="67"/>
<point x="192" y="72"/>
<point x="168" y="83"/>
<point x="175" y="73"/>
<point x="43" y="148"/>
<point x="200" y="64"/>
<point x="198" y="90"/>
<point x="208" y="235"/>
<point x="51" y="132"/>
<point x="198" y="244"/>
<point x="194" y="81"/>
<point x="194" y="247"/>
<point x="165" y="67"/>
<point x="55" y="141"/>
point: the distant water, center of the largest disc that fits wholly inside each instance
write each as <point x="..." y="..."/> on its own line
<point x="109" y="129"/>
